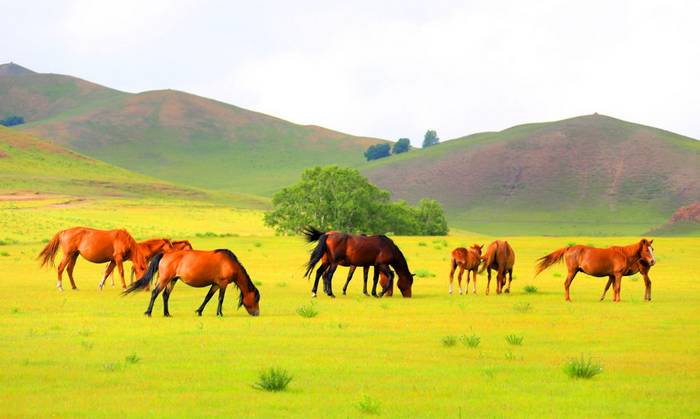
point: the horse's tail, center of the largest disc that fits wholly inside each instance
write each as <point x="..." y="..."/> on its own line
<point x="546" y="261"/>
<point x="47" y="255"/>
<point x="146" y="279"/>
<point x="488" y="260"/>
<point x="317" y="253"/>
<point x="312" y="234"/>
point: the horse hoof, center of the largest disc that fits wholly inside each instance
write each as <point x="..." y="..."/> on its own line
<point x="147" y="313"/>
<point x="507" y="291"/>
<point x="344" y="293"/>
<point x="313" y="295"/>
<point x="366" y="293"/>
<point x="199" y="313"/>
<point x="167" y="315"/>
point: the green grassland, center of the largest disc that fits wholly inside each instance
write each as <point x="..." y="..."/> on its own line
<point x="93" y="354"/>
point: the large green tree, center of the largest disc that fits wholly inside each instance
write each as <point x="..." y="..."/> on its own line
<point x="335" y="198"/>
<point x="401" y="146"/>
<point x="431" y="138"/>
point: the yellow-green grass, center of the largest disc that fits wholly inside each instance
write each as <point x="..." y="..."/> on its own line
<point x="65" y="354"/>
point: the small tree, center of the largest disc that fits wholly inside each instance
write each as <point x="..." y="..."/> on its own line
<point x="12" y="120"/>
<point x="401" y="146"/>
<point x="430" y="138"/>
<point x="431" y="217"/>
<point x="378" y="151"/>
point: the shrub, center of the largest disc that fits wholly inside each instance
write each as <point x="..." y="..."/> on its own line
<point x="522" y="307"/>
<point x="377" y="151"/>
<point x="471" y="341"/>
<point x="514" y="339"/>
<point x="307" y="311"/>
<point x="132" y="359"/>
<point x="368" y="405"/>
<point x="530" y="289"/>
<point x="449" y="341"/>
<point x="582" y="368"/>
<point x="424" y="273"/>
<point x="273" y="379"/>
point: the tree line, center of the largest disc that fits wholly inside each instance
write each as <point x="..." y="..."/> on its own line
<point x="379" y="151"/>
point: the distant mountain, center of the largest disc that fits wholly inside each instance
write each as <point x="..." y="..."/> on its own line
<point x="586" y="175"/>
<point x="175" y="135"/>
<point x="12" y="69"/>
<point x="684" y="221"/>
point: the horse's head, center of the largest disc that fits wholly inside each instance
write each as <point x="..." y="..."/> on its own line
<point x="646" y="252"/>
<point x="250" y="299"/>
<point x="477" y="248"/>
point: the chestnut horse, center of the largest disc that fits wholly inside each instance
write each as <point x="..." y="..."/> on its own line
<point x="613" y="262"/>
<point x="150" y="247"/>
<point x="199" y="268"/>
<point x="466" y="259"/>
<point x="501" y="257"/>
<point x="354" y="250"/>
<point x="97" y="246"/>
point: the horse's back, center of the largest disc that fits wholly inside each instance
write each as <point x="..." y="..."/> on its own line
<point x="194" y="266"/>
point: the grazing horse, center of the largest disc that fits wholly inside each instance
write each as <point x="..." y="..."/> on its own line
<point x="353" y="250"/>
<point x="199" y="268"/>
<point x="466" y="259"/>
<point x="150" y="247"/>
<point x="501" y="257"/>
<point x="613" y="262"/>
<point x="97" y="246"/>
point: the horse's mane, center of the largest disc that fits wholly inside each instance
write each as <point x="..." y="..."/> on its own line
<point x="233" y="257"/>
<point x="401" y="259"/>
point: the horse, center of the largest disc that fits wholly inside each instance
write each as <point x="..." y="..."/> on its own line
<point x="466" y="259"/>
<point x="97" y="246"/>
<point x="353" y="250"/>
<point x="199" y="268"/>
<point x="150" y="247"/>
<point x="613" y="262"/>
<point x="501" y="257"/>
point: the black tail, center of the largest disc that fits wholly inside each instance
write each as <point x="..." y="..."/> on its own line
<point x="317" y="253"/>
<point x="312" y="234"/>
<point x="146" y="279"/>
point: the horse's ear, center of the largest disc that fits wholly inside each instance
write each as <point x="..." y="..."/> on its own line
<point x="413" y="275"/>
<point x="651" y="241"/>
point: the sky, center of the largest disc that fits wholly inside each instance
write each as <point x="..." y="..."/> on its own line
<point x="386" y="69"/>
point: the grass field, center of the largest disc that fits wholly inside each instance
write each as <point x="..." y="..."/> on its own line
<point x="93" y="354"/>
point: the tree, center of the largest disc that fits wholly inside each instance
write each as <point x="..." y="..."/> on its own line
<point x="401" y="146"/>
<point x="430" y="138"/>
<point x="12" y="120"/>
<point x="334" y="198"/>
<point x="378" y="151"/>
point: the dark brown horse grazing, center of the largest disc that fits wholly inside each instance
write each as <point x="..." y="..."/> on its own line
<point x="97" y="246"/>
<point x="466" y="259"/>
<point x="199" y="268"/>
<point x="501" y="257"/>
<point x="613" y="262"/>
<point x="353" y="250"/>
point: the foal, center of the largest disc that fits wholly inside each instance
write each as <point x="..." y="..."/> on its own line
<point x="466" y="259"/>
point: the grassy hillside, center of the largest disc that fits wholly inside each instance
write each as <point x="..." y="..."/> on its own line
<point x="587" y="175"/>
<point x="32" y="166"/>
<point x="174" y="135"/>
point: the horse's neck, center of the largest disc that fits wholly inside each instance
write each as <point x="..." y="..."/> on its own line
<point x="632" y="252"/>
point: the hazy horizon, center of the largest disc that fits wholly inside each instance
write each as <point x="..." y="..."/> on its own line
<point x="386" y="70"/>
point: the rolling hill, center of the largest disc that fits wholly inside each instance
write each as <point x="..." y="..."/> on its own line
<point x="32" y="166"/>
<point x="586" y="175"/>
<point x="174" y="135"/>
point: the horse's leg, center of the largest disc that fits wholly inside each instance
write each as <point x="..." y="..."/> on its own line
<point x="321" y="269"/>
<point x="108" y="271"/>
<point x="375" y="280"/>
<point x="510" y="280"/>
<point x="459" y="278"/>
<point x="569" y="278"/>
<point x="647" y="285"/>
<point x="210" y="294"/>
<point x="351" y="272"/>
<point x="365" y="272"/>
<point x="386" y="271"/>
<point x="120" y="266"/>
<point x="61" y="267"/>
<point x="611" y="279"/>
<point x="69" y="269"/>
<point x="453" y="267"/>
<point x="131" y="275"/>
<point x="618" y="286"/>
<point x="166" y="297"/>
<point x="154" y="294"/>
<point x="473" y="271"/>
<point x="222" y="292"/>
<point x="328" y="280"/>
<point x="488" y="280"/>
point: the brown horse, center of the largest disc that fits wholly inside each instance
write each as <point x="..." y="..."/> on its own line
<point x="150" y="247"/>
<point x="354" y="250"/>
<point x="199" y="268"/>
<point x="97" y="246"/>
<point x="501" y="257"/>
<point x="613" y="262"/>
<point x="466" y="259"/>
